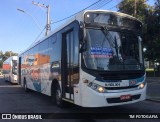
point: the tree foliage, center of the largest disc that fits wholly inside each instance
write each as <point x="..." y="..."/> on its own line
<point x="150" y="16"/>
<point x="128" y="7"/>
<point x="152" y="35"/>
<point x="157" y="5"/>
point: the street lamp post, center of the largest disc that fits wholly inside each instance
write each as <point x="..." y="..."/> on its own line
<point x="31" y="17"/>
<point x="48" y="20"/>
<point x="48" y="25"/>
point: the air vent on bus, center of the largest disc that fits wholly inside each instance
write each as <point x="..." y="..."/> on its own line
<point x="120" y="76"/>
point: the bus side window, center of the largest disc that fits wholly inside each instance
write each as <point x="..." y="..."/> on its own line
<point x="43" y="53"/>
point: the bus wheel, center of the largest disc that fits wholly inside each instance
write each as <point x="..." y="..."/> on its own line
<point x="9" y="79"/>
<point x="58" y="97"/>
<point x="25" y="86"/>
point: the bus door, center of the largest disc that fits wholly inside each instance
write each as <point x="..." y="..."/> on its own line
<point x="19" y="70"/>
<point x="70" y="69"/>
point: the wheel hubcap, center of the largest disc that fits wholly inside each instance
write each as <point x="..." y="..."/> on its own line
<point x="25" y="86"/>
<point x="58" y="96"/>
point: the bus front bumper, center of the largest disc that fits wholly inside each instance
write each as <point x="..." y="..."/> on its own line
<point x="92" y="98"/>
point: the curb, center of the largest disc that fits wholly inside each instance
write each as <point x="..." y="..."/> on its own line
<point x="153" y="99"/>
<point x="153" y="78"/>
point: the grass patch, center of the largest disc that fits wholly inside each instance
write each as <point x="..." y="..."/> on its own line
<point x="151" y="73"/>
<point x="147" y="70"/>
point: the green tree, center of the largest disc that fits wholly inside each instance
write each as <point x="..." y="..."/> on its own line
<point x="128" y="7"/>
<point x="152" y="36"/>
<point x="157" y="5"/>
<point x="1" y="55"/>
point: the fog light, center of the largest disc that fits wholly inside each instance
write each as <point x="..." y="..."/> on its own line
<point x="101" y="89"/>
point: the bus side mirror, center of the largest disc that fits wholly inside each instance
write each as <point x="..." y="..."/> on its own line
<point x="83" y="47"/>
<point x="81" y="31"/>
<point x="80" y="35"/>
<point x="82" y="38"/>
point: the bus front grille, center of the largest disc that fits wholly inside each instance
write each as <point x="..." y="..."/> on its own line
<point x="120" y="76"/>
<point x="121" y="88"/>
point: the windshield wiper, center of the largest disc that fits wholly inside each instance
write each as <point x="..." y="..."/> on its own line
<point x="116" y="47"/>
<point x="112" y="41"/>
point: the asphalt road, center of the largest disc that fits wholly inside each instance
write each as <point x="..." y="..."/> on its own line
<point x="13" y="99"/>
<point x="153" y="89"/>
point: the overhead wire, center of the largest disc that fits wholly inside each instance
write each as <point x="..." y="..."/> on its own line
<point x="38" y="36"/>
<point x="98" y="4"/>
<point x="77" y="12"/>
<point x="114" y="6"/>
<point x="105" y="3"/>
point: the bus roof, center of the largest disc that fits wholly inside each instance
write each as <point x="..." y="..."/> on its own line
<point x="79" y="17"/>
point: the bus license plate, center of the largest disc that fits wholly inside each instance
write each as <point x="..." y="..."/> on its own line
<point x="125" y="97"/>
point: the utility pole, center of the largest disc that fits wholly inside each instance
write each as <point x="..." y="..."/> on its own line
<point x="135" y="8"/>
<point x="48" y="25"/>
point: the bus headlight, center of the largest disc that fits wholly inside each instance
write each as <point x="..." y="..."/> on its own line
<point x="101" y="89"/>
<point x="141" y="86"/>
<point x="96" y="87"/>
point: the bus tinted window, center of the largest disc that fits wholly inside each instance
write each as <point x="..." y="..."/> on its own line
<point x="54" y="48"/>
<point x="112" y="20"/>
<point x="42" y="55"/>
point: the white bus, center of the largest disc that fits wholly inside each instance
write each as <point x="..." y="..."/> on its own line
<point x="10" y="69"/>
<point x="93" y="60"/>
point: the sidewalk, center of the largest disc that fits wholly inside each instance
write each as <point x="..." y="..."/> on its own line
<point x="153" y="88"/>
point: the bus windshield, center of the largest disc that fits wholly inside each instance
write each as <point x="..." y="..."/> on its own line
<point x="14" y="68"/>
<point x="112" y="51"/>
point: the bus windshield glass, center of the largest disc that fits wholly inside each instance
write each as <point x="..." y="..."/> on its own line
<point x="111" y="19"/>
<point x="112" y="50"/>
<point x="14" y="68"/>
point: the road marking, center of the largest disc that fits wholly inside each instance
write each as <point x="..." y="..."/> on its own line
<point x="9" y="86"/>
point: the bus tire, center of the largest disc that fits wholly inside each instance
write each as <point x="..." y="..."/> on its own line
<point x="57" y="96"/>
<point x="9" y="79"/>
<point x="25" y="85"/>
<point x="53" y="91"/>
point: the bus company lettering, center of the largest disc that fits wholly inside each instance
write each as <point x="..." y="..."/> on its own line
<point x="15" y="116"/>
<point x="34" y="117"/>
